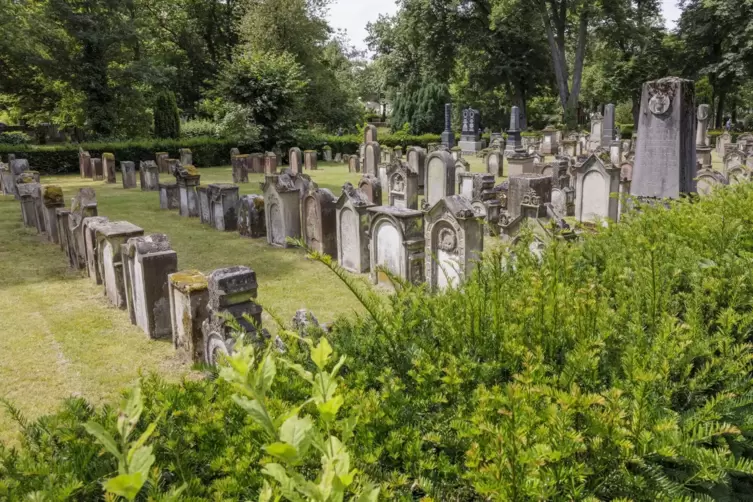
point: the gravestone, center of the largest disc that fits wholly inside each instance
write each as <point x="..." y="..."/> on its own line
<point x="149" y="176"/>
<point x="97" y="169"/>
<point x="470" y="135"/>
<point x="270" y="163"/>
<point x="147" y="262"/>
<point x="733" y="160"/>
<point x="397" y="244"/>
<point x="251" y="219"/>
<point x="169" y="196"/>
<point x="371" y="186"/>
<point x="232" y="292"/>
<point x="597" y="180"/>
<point x="338" y="157"/>
<point x="108" y="164"/>
<point x="205" y="214"/>
<point x="372" y="154"/>
<point x="161" y="159"/>
<point x="7" y="180"/>
<point x="295" y="160"/>
<point x="186" y="157"/>
<point x="514" y="140"/>
<point x="397" y="153"/>
<point x="257" y="163"/>
<point x="448" y="137"/>
<point x="84" y="164"/>
<point x="456" y="153"/>
<point x="722" y="141"/>
<point x="739" y="174"/>
<point x="63" y="229"/>
<point x="494" y="163"/>
<point x="128" y="169"/>
<point x="84" y="204"/>
<point x="28" y="194"/>
<point x="241" y="165"/>
<point x="310" y="157"/>
<point x="327" y="154"/>
<point x="416" y="157"/>
<point x="354" y="166"/>
<point x="454" y="240"/>
<point x="440" y="177"/>
<point x="353" y="229"/>
<point x="90" y="227"/>
<point x="549" y="145"/>
<point x="597" y="132"/>
<point x="478" y="189"/>
<point x="665" y="157"/>
<point x="531" y="190"/>
<point x="223" y="203"/>
<point x="110" y="236"/>
<point x="461" y="166"/>
<point x="319" y="224"/>
<point x="402" y="185"/>
<point x="707" y="180"/>
<point x="189" y="296"/>
<point x="520" y="162"/>
<point x="52" y="199"/>
<point x="609" y="131"/>
<point x="615" y="153"/>
<point x="369" y="134"/>
<point x="188" y="179"/>
<point x="282" y="208"/>
<point x="703" y="152"/>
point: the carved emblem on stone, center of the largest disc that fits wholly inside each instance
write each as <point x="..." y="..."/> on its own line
<point x="448" y="241"/>
<point x="662" y="94"/>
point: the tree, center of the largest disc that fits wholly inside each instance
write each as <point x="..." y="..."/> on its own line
<point x="166" y="119"/>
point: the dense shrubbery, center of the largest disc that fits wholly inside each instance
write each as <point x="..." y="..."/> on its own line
<point x="15" y="138"/>
<point x="166" y="117"/>
<point x="618" y="367"/>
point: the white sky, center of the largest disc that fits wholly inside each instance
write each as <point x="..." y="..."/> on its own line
<point x="352" y="16"/>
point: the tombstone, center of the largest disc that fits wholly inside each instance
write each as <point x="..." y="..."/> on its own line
<point x="327" y="154"/>
<point x="608" y="131"/>
<point x="627" y="145"/>
<point x="703" y="152"/>
<point x="597" y="132"/>
<point x="84" y="164"/>
<point x="568" y="147"/>
<point x="740" y="174"/>
<point x="251" y="220"/>
<point x="97" y="169"/>
<point x="257" y="163"/>
<point x="397" y="244"/>
<point x="270" y="163"/>
<point x="461" y="166"/>
<point x="188" y="178"/>
<point x="707" y="180"/>
<point x="84" y="204"/>
<point x="149" y="176"/>
<point x="448" y="137"/>
<point x="169" y="196"/>
<point x="372" y="154"/>
<point x="597" y="179"/>
<point x="310" y="157"/>
<point x="161" y="159"/>
<point x="241" y="165"/>
<point x="28" y="194"/>
<point x="353" y="229"/>
<point x="186" y="157"/>
<point x="52" y="199"/>
<point x="371" y="186"/>
<point x="369" y="134"/>
<point x="549" y="145"/>
<point x="397" y="153"/>
<point x="665" y="157"/>
<point x="626" y="178"/>
<point x="354" y="166"/>
<point x="295" y="160"/>
<point x="454" y="239"/>
<point x="470" y="135"/>
<point x="319" y="221"/>
<point x="232" y="292"/>
<point x="733" y="160"/>
<point x="108" y="165"/>
<point x="128" y="169"/>
<point x="282" y="208"/>
<point x="90" y="226"/>
<point x="724" y="139"/>
<point x="402" y="185"/>
<point x="223" y="203"/>
<point x="110" y="236"/>
<point x="495" y="163"/>
<point x="205" y="214"/>
<point x="440" y="177"/>
<point x="528" y="191"/>
<point x="189" y="296"/>
<point x="338" y="157"/>
<point x="416" y="157"/>
<point x="514" y="140"/>
<point x="147" y="262"/>
<point x="520" y="162"/>
<point x="63" y="230"/>
<point x="7" y="180"/>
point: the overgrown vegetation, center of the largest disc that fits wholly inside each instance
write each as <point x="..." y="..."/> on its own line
<point x="614" y="368"/>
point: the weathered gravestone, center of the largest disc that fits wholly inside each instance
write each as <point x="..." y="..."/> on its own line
<point x="128" y="169"/>
<point x="596" y="180"/>
<point x="722" y="141"/>
<point x="416" y="157"/>
<point x="454" y="240"/>
<point x="108" y="165"/>
<point x="550" y="145"/>
<point x="478" y="190"/>
<point x="295" y="160"/>
<point x="84" y="164"/>
<point x="186" y="157"/>
<point x="448" y="137"/>
<point x="353" y="229"/>
<point x="232" y="292"/>
<point x="7" y="180"/>
<point x="90" y="227"/>
<point x="372" y="155"/>
<point x="270" y="163"/>
<point x="470" y="134"/>
<point x="327" y="154"/>
<point x="147" y="262"/>
<point x="84" y="205"/>
<point x="251" y="219"/>
<point x="531" y="190"/>
<point x="402" y="185"/>
<point x="440" y="177"/>
<point x="397" y="244"/>
<point x="494" y="163"/>
<point x="371" y="186"/>
<point x="62" y="228"/>
<point x="223" y="202"/>
<point x="310" y="157"/>
<point x="257" y="163"/>
<point x="110" y="236"/>
<point x="173" y="165"/>
<point x="29" y="193"/>
<point x="369" y="134"/>
<point x="189" y="296"/>
<point x="241" y="165"/>
<point x="520" y="162"/>
<point x="97" y="169"/>
<point x="338" y="157"/>
<point x="319" y="224"/>
<point x="169" y="196"/>
<point x="707" y="180"/>
<point x="354" y="164"/>
<point x="149" y="175"/>
<point x="161" y="159"/>
<point x="665" y="157"/>
<point x="188" y="179"/>
<point x="461" y="166"/>
<point x="734" y="159"/>
<point x="739" y="174"/>
<point x="52" y="199"/>
<point x="597" y="132"/>
<point x="703" y="152"/>
<point x="282" y="208"/>
<point x="205" y="214"/>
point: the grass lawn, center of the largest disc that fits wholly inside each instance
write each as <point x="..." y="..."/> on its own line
<point x="60" y="337"/>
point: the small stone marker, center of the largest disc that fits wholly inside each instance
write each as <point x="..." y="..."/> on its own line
<point x="110" y="236"/>
<point x="161" y="159"/>
<point x="149" y="174"/>
<point x="403" y="185"/>
<point x="52" y="198"/>
<point x="295" y="160"/>
<point x="169" y="196"/>
<point x="223" y="202"/>
<point x="397" y="244"/>
<point x="189" y="296"/>
<point x="353" y="229"/>
<point x="251" y="218"/>
<point x="108" y="164"/>
<point x="186" y="157"/>
<point x="97" y="169"/>
<point x="128" y="169"/>
<point x="188" y="179"/>
<point x="372" y="188"/>
<point x="310" y="160"/>
<point x="90" y="227"/>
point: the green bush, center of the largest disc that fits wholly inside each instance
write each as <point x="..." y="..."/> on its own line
<point x="617" y="367"/>
<point x="15" y="138"/>
<point x="198" y="129"/>
<point x="166" y="117"/>
<point x="626" y="130"/>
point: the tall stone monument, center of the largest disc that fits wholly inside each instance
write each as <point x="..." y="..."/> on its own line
<point x="608" y="128"/>
<point x="665" y="155"/>
<point x="448" y="137"/>
<point x="470" y="137"/>
<point x="514" y="141"/>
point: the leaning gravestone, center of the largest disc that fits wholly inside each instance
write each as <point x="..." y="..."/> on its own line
<point x="63" y="229"/>
<point x="352" y="230"/>
<point x="665" y="157"/>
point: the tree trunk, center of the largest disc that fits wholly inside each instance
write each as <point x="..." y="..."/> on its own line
<point x="720" y="109"/>
<point x="580" y="55"/>
<point x="558" y="61"/>
<point x="636" y="110"/>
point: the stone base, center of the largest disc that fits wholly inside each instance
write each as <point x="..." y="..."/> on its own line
<point x="471" y="147"/>
<point x="448" y="139"/>
<point x="703" y="155"/>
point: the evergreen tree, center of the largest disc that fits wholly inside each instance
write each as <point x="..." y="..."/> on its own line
<point x="166" y="120"/>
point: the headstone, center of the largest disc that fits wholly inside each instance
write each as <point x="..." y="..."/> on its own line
<point x="110" y="236"/>
<point x="97" y="169"/>
<point x="372" y="155"/>
<point x="724" y="139"/>
<point x="223" y="203"/>
<point x="703" y="152"/>
<point x="461" y="166"/>
<point x="734" y="159"/>
<point x="189" y="296"/>
<point x="739" y="174"/>
<point x="520" y="162"/>
<point x="454" y="240"/>
<point x="456" y="153"/>
<point x="188" y="179"/>
<point x="232" y="292"/>
<point x="84" y="204"/>
<point x="353" y="229"/>
<point x="397" y="244"/>
<point x="282" y="208"/>
<point x="327" y="154"/>
<point x="128" y="169"/>
<point x="161" y="158"/>
<point x="440" y="177"/>
<point x="597" y="132"/>
<point x="241" y="165"/>
<point x="370" y="134"/>
<point x="186" y="157"/>
<point x="205" y="213"/>
<point x="257" y="163"/>
<point x="270" y="163"/>
<point x="84" y="164"/>
<point x="310" y="160"/>
<point x="338" y="157"/>
<point x="169" y="196"/>
<point x="295" y="160"/>
<point x="372" y="188"/>
<point x="354" y="166"/>
<point x="470" y="135"/>
<point x="7" y="180"/>
<point x="63" y="229"/>
<point x="708" y="180"/>
<point x="615" y="153"/>
<point x="108" y="164"/>
<point x="665" y="160"/>
<point x="29" y="193"/>
<point x="402" y="185"/>
<point x="397" y="153"/>
<point x="416" y="157"/>
<point x="319" y="224"/>
<point x="52" y="199"/>
<point x="514" y="141"/>
<point x="149" y="174"/>
<point x="448" y="137"/>
<point x="90" y="227"/>
<point x="251" y="218"/>
<point x="596" y="182"/>
<point x="147" y="262"/>
<point x="550" y="145"/>
<point x="494" y="163"/>
<point x="528" y="191"/>
<point x="608" y="132"/>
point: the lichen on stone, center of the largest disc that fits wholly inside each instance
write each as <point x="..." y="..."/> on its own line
<point x="109" y="156"/>
<point x="189" y="281"/>
<point x="53" y="194"/>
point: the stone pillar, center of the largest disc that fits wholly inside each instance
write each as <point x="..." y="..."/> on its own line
<point x="169" y="196"/>
<point x="90" y="226"/>
<point x="665" y="156"/>
<point x="108" y="164"/>
<point x="514" y="141"/>
<point x="703" y="151"/>
<point x="189" y="297"/>
<point x="161" y="159"/>
<point x="188" y="179"/>
<point x="149" y="174"/>
<point x="110" y="236"/>
<point x="448" y="137"/>
<point x="608" y="128"/>
<point x="310" y="160"/>
<point x="223" y="202"/>
<point x="52" y="198"/>
<point x="186" y="157"/>
<point x="128" y="169"/>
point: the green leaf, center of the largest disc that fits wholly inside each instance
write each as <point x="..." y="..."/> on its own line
<point x="287" y="486"/>
<point x="266" y="373"/>
<point x="257" y="413"/>
<point x="142" y="460"/>
<point x="283" y="451"/>
<point x="142" y="440"/>
<point x="295" y="431"/>
<point x="130" y="412"/>
<point x="125" y="485"/>
<point x="329" y="409"/>
<point x="321" y="353"/>
<point x="369" y="494"/>
<point x="104" y="438"/>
